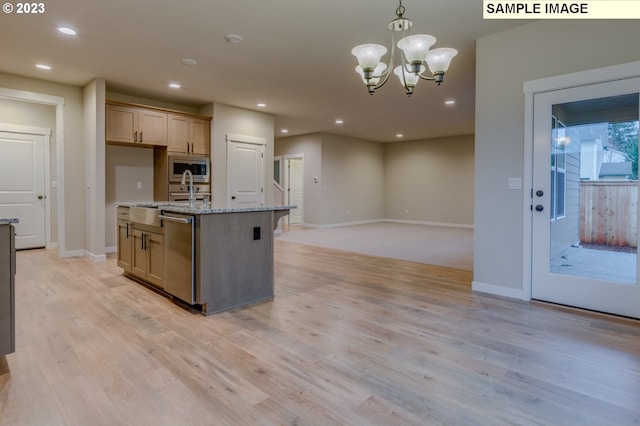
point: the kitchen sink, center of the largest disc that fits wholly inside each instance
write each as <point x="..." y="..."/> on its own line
<point x="146" y="214"/>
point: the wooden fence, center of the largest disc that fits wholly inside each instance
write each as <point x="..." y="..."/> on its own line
<point x="609" y="212"/>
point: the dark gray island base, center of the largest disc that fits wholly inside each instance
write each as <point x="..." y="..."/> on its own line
<point x="234" y="258"/>
<point x="212" y="259"/>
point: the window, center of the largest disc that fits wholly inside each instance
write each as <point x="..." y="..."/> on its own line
<point x="558" y="169"/>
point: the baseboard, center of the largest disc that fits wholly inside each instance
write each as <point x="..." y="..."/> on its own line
<point x="70" y="253"/>
<point x="52" y="246"/>
<point x="108" y="250"/>
<point x="498" y="290"/>
<point x="342" y="224"/>
<point x="364" y="222"/>
<point x="420" y="222"/>
<point x="95" y="257"/>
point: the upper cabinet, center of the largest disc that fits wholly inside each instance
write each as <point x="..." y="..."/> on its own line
<point x="189" y="134"/>
<point x="135" y="125"/>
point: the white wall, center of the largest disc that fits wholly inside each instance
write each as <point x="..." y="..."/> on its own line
<point x="73" y="147"/>
<point x="430" y="181"/>
<point x="542" y="49"/>
<point x="228" y="119"/>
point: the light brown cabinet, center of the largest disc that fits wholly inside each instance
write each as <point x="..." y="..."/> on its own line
<point x="147" y="256"/>
<point x="125" y="239"/>
<point x="134" y="125"/>
<point x="188" y="135"/>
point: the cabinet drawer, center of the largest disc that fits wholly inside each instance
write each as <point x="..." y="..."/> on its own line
<point x="123" y="213"/>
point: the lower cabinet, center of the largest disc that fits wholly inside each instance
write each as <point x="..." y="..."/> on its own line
<point x="147" y="256"/>
<point x="125" y="244"/>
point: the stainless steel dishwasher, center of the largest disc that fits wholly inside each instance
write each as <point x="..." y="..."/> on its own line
<point x="179" y="259"/>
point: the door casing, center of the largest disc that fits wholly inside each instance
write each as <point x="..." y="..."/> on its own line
<point x="531" y="88"/>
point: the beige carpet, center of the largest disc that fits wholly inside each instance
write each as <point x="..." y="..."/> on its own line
<point x="432" y="245"/>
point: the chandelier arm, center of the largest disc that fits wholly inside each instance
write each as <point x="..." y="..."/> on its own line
<point x="385" y="75"/>
<point x="426" y="78"/>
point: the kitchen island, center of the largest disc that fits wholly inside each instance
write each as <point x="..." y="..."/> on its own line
<point x="212" y="259"/>
<point x="7" y="291"/>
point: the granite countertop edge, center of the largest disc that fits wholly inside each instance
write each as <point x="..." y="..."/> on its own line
<point x="169" y="207"/>
<point x="8" y="221"/>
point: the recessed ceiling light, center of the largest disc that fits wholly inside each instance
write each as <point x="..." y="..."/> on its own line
<point x="399" y="135"/>
<point x="189" y="61"/>
<point x="261" y="105"/>
<point x="339" y="121"/>
<point x="284" y="131"/>
<point x="233" y="38"/>
<point x="43" y="66"/>
<point x="174" y="85"/>
<point x="67" y="31"/>
<point x="450" y="102"/>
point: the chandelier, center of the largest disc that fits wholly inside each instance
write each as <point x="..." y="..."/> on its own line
<point x="415" y="52"/>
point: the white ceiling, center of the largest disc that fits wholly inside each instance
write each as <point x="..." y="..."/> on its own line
<point x="295" y="56"/>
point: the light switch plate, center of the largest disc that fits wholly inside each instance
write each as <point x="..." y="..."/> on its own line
<point x="515" y="183"/>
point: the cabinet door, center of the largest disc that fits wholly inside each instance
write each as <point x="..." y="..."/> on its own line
<point x="200" y="136"/>
<point x="121" y="124"/>
<point x="152" y="127"/>
<point x="178" y="138"/>
<point x="138" y="254"/>
<point x="155" y="259"/>
<point x="124" y="245"/>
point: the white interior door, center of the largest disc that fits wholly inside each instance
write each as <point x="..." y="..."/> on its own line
<point x="295" y="189"/>
<point x="245" y="174"/>
<point x="585" y="197"/>
<point x="22" y="186"/>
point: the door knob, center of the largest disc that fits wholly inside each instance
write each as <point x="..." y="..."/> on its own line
<point x="40" y="197"/>
<point x="233" y="197"/>
<point x="539" y="207"/>
<point x="539" y="193"/>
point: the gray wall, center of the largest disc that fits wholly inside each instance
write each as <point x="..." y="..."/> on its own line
<point x="352" y="180"/>
<point x="430" y="181"/>
<point x="310" y="146"/>
<point x="125" y="167"/>
<point x="364" y="181"/>
<point x="228" y="119"/>
<point x="542" y="49"/>
<point x="36" y="115"/>
<point x="350" y="174"/>
<point x="74" y="176"/>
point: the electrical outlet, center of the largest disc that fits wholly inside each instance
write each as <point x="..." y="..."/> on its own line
<point x="139" y="185"/>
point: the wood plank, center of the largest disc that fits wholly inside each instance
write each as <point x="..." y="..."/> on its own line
<point x="348" y="339"/>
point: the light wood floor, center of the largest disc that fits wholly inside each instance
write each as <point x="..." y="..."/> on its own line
<point x="349" y="339"/>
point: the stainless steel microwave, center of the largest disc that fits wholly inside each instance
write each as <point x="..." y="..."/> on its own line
<point x="198" y="165"/>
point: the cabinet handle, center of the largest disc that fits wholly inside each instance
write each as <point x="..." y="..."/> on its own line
<point x="192" y="150"/>
<point x="127" y="229"/>
<point x="140" y="137"/>
<point x="187" y="147"/>
<point x="135" y="136"/>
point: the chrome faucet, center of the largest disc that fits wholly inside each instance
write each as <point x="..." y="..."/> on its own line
<point x="192" y="198"/>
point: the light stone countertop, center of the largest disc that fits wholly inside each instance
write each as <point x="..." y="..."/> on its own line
<point x="7" y="221"/>
<point x="198" y="208"/>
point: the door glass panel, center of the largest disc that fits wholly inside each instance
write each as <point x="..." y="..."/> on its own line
<point x="594" y="188"/>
